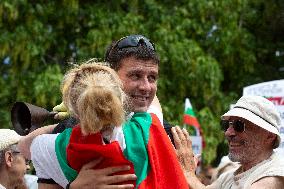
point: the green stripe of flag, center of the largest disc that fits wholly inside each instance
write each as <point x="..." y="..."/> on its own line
<point x="61" y="144"/>
<point x="136" y="134"/>
<point x="189" y="111"/>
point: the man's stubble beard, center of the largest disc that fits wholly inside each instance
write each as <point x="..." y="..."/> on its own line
<point x="18" y="179"/>
<point x="127" y="105"/>
<point x="248" y="153"/>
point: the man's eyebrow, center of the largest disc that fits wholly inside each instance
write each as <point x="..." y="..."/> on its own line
<point x="141" y="71"/>
<point x="135" y="71"/>
<point x="156" y="74"/>
<point x="153" y="72"/>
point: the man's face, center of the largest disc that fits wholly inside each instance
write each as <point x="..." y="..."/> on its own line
<point x="139" y="78"/>
<point x="18" y="169"/>
<point x="246" y="146"/>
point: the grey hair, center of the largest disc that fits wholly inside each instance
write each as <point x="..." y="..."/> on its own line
<point x="12" y="147"/>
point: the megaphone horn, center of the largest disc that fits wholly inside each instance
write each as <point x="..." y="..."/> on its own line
<point x="26" y="117"/>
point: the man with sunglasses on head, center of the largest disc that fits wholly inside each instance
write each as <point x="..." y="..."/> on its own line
<point x="136" y="61"/>
<point x="252" y="131"/>
<point x="137" y="64"/>
<point x="13" y="165"/>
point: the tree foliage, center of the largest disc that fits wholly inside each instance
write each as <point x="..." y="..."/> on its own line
<point x="209" y="50"/>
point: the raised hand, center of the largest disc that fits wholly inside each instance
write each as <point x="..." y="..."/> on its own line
<point x="184" y="151"/>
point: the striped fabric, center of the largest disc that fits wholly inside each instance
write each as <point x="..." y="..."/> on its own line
<point x="148" y="152"/>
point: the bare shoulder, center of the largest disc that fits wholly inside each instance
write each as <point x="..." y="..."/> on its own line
<point x="269" y="182"/>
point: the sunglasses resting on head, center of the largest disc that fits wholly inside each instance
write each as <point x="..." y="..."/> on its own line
<point x="134" y="41"/>
<point x="131" y="41"/>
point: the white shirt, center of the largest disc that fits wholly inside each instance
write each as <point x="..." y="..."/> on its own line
<point x="31" y="181"/>
<point x="2" y="187"/>
<point x="271" y="167"/>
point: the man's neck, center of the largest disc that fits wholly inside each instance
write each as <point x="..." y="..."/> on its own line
<point x="249" y="164"/>
<point x="3" y="180"/>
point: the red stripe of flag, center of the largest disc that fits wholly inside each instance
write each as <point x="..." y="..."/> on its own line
<point x="166" y="171"/>
<point x="190" y="120"/>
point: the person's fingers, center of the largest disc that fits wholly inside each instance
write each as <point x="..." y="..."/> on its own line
<point x="187" y="137"/>
<point x="60" y="108"/>
<point x="56" y="116"/>
<point x="184" y="149"/>
<point x="176" y="138"/>
<point x="181" y="136"/>
<point x="91" y="164"/>
<point x="112" y="170"/>
<point x="124" y="186"/>
<point x="61" y="115"/>
<point x="188" y="142"/>
<point x="119" y="178"/>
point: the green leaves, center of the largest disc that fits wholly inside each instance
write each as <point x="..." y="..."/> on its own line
<point x="48" y="79"/>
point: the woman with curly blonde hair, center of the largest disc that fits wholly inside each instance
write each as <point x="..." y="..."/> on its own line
<point x="93" y="94"/>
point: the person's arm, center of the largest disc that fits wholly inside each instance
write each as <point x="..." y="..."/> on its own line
<point x="186" y="158"/>
<point x="269" y="182"/>
<point x="89" y="178"/>
<point x="26" y="141"/>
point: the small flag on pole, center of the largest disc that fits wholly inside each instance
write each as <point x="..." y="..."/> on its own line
<point x="190" y="119"/>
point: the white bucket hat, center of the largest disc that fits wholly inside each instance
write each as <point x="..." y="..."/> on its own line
<point x="259" y="111"/>
<point x="8" y="137"/>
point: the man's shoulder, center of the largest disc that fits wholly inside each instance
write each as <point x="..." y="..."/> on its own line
<point x="274" y="166"/>
<point x="269" y="173"/>
<point x="275" y="182"/>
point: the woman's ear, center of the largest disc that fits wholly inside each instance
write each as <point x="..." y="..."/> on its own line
<point x="8" y="158"/>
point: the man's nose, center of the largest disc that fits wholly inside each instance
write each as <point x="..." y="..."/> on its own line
<point x="230" y="131"/>
<point x="145" y="84"/>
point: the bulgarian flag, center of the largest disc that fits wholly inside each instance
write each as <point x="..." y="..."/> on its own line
<point x="148" y="151"/>
<point x="190" y="119"/>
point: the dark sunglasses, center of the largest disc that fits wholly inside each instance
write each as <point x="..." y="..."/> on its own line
<point x="134" y="41"/>
<point x="238" y="125"/>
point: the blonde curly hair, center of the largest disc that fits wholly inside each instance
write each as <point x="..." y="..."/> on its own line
<point x="92" y="92"/>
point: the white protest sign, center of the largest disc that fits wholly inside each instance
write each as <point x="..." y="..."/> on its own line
<point x="274" y="91"/>
<point x="196" y="144"/>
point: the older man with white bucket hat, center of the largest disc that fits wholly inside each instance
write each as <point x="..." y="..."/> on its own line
<point x="12" y="163"/>
<point x="252" y="131"/>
